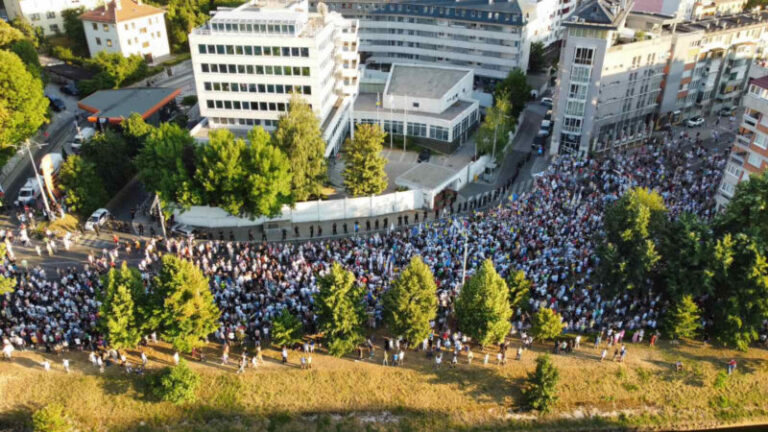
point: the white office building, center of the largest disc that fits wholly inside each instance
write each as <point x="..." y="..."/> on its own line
<point x="45" y="14"/>
<point x="249" y="60"/>
<point x="491" y="37"/>
<point x="430" y="103"/>
<point x="126" y="27"/>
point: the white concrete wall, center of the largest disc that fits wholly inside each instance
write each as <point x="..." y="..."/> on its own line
<point x="100" y="36"/>
<point x="133" y="40"/>
<point x="37" y="11"/>
<point x="310" y="211"/>
<point x="142" y="36"/>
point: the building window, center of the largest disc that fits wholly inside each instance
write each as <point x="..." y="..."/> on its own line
<point x="109" y="42"/>
<point x="145" y="45"/>
<point x="34" y="17"/>
<point x="106" y="27"/>
<point x="98" y="41"/>
<point x="50" y="14"/>
<point x="143" y="30"/>
<point x="54" y="28"/>
<point x="126" y="26"/>
<point x="95" y="26"/>
<point x="584" y="56"/>
<point x="754" y="160"/>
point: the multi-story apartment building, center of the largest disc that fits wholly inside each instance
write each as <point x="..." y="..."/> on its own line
<point x="491" y="37"/>
<point x="749" y="154"/>
<point x="624" y="74"/>
<point x="248" y="61"/>
<point x="126" y="27"/>
<point x="45" y="14"/>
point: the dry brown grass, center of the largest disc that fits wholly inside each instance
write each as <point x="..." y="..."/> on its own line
<point x="344" y="394"/>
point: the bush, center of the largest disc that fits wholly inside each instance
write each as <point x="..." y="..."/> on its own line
<point x="189" y="100"/>
<point x="177" y="384"/>
<point x="721" y="380"/>
<point x="51" y="418"/>
<point x="540" y="391"/>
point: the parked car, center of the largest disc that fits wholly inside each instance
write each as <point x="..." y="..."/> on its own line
<point x="538" y="142"/>
<point x="70" y="88"/>
<point x="726" y="111"/>
<point x="694" y="121"/>
<point x="424" y="156"/>
<point x="548" y="115"/>
<point x="97" y="218"/>
<point x="547" y="102"/>
<point x="183" y="230"/>
<point x="79" y="139"/>
<point x="57" y="104"/>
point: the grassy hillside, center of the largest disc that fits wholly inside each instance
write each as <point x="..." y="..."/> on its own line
<point x="350" y="395"/>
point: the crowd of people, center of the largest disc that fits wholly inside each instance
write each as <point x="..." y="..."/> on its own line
<point x="549" y="233"/>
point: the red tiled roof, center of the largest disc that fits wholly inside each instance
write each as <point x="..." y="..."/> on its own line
<point x="129" y="10"/>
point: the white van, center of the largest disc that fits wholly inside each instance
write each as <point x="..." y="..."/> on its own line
<point x="29" y="193"/>
<point x="80" y="138"/>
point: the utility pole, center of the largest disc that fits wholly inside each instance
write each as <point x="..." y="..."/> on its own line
<point x="162" y="218"/>
<point x="51" y="216"/>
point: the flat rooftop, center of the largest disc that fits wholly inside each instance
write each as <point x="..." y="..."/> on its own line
<point x="423" y="81"/>
<point x="425" y="176"/>
<point x="366" y="102"/>
<point x="116" y="105"/>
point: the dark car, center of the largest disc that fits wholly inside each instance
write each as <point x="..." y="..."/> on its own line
<point x="424" y="156"/>
<point x="57" y="104"/>
<point x="70" y="89"/>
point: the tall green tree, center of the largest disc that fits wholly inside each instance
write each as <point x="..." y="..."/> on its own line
<point x="181" y="17"/>
<point x="26" y="51"/>
<point x="541" y="386"/>
<point x="23" y="106"/>
<point x="34" y="34"/>
<point x="299" y="136"/>
<point x="166" y="165"/>
<point x="498" y="122"/>
<point x="113" y="70"/>
<point x="118" y="314"/>
<point x="685" y="246"/>
<point x="684" y="320"/>
<point x="135" y="132"/>
<point x="220" y="171"/>
<point x="629" y="254"/>
<point x="748" y="210"/>
<point x="9" y="34"/>
<point x="537" y="58"/>
<point x="267" y="183"/>
<point x="74" y="30"/>
<point x="83" y="189"/>
<point x="515" y="88"/>
<point x="183" y="303"/>
<point x="519" y="290"/>
<point x="737" y="289"/>
<point x="7" y="284"/>
<point x="482" y="307"/>
<point x="286" y="329"/>
<point x="364" y="173"/>
<point x="411" y="302"/>
<point x="546" y="324"/>
<point x="101" y="151"/>
<point x="340" y="310"/>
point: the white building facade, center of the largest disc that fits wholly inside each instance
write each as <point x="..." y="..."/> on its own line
<point x="126" y="27"/>
<point x="250" y="60"/>
<point x="45" y="14"/>
<point x="490" y="37"/>
<point x="423" y="102"/>
<point x="749" y="154"/>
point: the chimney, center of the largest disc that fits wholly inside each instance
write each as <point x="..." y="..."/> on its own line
<point x="118" y="5"/>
